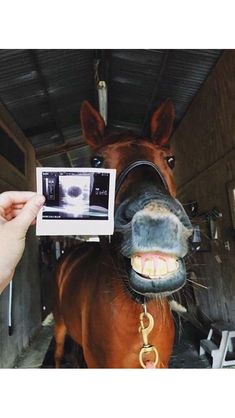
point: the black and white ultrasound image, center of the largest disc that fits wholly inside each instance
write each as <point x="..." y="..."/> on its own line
<point x="71" y="195"/>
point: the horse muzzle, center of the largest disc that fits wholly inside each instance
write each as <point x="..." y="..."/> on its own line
<point x="155" y="242"/>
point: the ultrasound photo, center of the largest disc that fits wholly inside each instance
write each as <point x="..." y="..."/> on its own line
<point x="79" y="201"/>
<point x="75" y="196"/>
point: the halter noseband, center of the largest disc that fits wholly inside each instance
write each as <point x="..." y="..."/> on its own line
<point x="131" y="167"/>
<point x="121" y="178"/>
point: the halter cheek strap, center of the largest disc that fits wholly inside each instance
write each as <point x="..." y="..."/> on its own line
<point x="132" y="166"/>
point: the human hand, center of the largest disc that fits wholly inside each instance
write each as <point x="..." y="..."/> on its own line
<point x="18" y="211"/>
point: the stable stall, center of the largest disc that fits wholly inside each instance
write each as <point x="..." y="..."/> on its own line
<point x="41" y="94"/>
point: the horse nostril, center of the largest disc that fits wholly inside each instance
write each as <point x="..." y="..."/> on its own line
<point x="123" y="217"/>
<point x="127" y="216"/>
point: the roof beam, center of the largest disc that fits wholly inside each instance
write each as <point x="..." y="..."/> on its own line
<point x="40" y="130"/>
<point x="57" y="150"/>
<point x="154" y="93"/>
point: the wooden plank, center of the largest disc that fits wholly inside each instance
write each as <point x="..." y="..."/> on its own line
<point x="208" y="346"/>
<point x="204" y="147"/>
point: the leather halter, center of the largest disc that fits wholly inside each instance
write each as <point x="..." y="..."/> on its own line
<point x="132" y="166"/>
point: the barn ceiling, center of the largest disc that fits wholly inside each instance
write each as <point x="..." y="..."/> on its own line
<point x="43" y="90"/>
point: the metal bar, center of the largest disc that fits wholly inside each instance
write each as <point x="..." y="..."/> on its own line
<point x="101" y="73"/>
<point x="154" y="93"/>
<point x="10" y="310"/>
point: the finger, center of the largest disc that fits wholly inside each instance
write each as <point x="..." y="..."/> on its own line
<point x="18" y="206"/>
<point x="12" y="210"/>
<point x="12" y="214"/>
<point x="10" y="198"/>
<point x="28" y="213"/>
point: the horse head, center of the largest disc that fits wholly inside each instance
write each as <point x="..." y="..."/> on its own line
<point x="151" y="227"/>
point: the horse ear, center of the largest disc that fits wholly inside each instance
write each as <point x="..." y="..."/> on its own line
<point x="162" y="123"/>
<point x="93" y="125"/>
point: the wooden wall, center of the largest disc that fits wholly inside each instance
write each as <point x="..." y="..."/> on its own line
<point x="204" y="146"/>
<point x="26" y="283"/>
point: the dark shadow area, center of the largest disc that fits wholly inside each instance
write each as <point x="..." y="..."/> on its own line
<point x="72" y="358"/>
<point x="186" y="347"/>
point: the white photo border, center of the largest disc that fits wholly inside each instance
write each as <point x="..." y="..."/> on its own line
<point x="76" y="227"/>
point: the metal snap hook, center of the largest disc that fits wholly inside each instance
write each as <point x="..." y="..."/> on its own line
<point x="145" y="330"/>
<point x="146" y="350"/>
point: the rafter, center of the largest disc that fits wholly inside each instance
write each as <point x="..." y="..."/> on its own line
<point x="154" y="93"/>
<point x="46" y="152"/>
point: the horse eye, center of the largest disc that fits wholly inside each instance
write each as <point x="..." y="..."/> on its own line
<point x="171" y="161"/>
<point x="97" y="161"/>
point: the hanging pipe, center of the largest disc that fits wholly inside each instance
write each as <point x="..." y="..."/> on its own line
<point x="10" y="310"/>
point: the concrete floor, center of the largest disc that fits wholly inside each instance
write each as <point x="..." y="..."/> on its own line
<point x="33" y="356"/>
<point x="40" y="352"/>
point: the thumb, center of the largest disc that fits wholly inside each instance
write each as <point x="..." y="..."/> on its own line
<point x="29" y="213"/>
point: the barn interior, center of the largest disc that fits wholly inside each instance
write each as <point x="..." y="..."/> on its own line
<point x="41" y="92"/>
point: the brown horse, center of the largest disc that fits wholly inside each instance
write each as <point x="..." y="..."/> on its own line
<point x="111" y="298"/>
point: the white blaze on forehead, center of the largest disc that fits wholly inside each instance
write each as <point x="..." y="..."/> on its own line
<point x="154" y="265"/>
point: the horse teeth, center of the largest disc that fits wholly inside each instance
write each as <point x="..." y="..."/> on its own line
<point x="136" y="264"/>
<point x="153" y="268"/>
<point x="161" y="268"/>
<point x="148" y="268"/>
<point x="172" y="265"/>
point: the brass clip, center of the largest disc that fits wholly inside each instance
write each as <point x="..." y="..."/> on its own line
<point x="145" y="350"/>
<point x="145" y="330"/>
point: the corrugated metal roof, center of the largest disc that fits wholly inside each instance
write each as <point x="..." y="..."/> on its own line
<point x="44" y="89"/>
